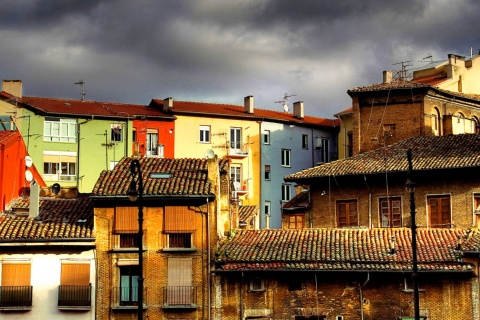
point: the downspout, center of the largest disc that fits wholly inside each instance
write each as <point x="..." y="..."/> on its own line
<point x="78" y="150"/>
<point x="360" y="286"/>
<point x="208" y="261"/>
<point x="241" y="296"/>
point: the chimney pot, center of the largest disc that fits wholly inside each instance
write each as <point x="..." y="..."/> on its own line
<point x="298" y="110"/>
<point x="167" y="104"/>
<point x="387" y="76"/>
<point x="13" y="87"/>
<point x="248" y="104"/>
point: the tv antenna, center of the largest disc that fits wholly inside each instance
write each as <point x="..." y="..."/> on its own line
<point x="402" y="74"/>
<point x="284" y="101"/>
<point x="82" y="83"/>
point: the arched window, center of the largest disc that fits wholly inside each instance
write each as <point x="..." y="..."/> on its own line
<point x="436" y="122"/>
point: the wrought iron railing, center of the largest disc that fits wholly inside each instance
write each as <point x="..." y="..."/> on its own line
<point x="16" y="296"/>
<point x="180" y="296"/>
<point x="72" y="296"/>
<point x="127" y="297"/>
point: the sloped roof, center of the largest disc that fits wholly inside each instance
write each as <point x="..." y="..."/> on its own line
<point x="432" y="80"/>
<point x="63" y="219"/>
<point x="6" y="135"/>
<point x="428" y="153"/>
<point x="301" y="200"/>
<point x="188" y="177"/>
<point x="247" y="213"/>
<point x="397" y="84"/>
<point x="54" y="106"/>
<point x="342" y="250"/>
<point x="234" y="111"/>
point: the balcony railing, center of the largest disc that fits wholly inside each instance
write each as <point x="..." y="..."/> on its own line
<point x="15" y="296"/>
<point x="238" y="150"/>
<point x="74" y="296"/>
<point x="127" y="297"/>
<point x="180" y="297"/>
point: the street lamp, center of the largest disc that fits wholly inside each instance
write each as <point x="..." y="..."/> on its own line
<point x="410" y="187"/>
<point x="137" y="196"/>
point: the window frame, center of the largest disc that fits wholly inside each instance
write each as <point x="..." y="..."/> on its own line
<point x="59" y="130"/>
<point x="256" y="284"/>
<point x="325" y="152"/>
<point x="267" y="207"/>
<point x="130" y="274"/>
<point x="205" y="134"/>
<point x="297" y="223"/>
<point x="394" y="207"/>
<point x="445" y="203"/>
<point x="266" y="137"/>
<point x="267" y="172"/>
<point x="286" y="192"/>
<point x="305" y="141"/>
<point x="348" y="203"/>
<point x="286" y="158"/>
<point x="116" y="132"/>
<point x="151" y="145"/>
<point x="236" y="176"/>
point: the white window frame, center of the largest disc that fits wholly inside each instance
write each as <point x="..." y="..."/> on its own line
<point x="286" y="157"/>
<point x="116" y="132"/>
<point x="266" y="136"/>
<point x="205" y="134"/>
<point x="56" y="167"/>
<point x="267" y="207"/>
<point x="286" y="192"/>
<point x="59" y="130"/>
<point x="236" y="176"/>
<point x="152" y="144"/>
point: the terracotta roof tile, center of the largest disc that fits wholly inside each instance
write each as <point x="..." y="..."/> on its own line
<point x="442" y="152"/>
<point x="247" y="213"/>
<point x="58" y="219"/>
<point x="189" y="177"/>
<point x="432" y="80"/>
<point x="91" y="108"/>
<point x="341" y="249"/>
<point x="227" y="110"/>
<point x="398" y="84"/>
<point x="301" y="200"/>
<point x="6" y="135"/>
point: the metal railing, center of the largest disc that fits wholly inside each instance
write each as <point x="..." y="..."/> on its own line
<point x="179" y="296"/>
<point x="71" y="296"/>
<point x="127" y="296"/>
<point x="16" y="296"/>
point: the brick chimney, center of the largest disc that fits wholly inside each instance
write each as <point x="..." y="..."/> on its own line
<point x="387" y="76"/>
<point x="298" y="110"/>
<point x="248" y="104"/>
<point x="13" y="87"/>
<point x="167" y="104"/>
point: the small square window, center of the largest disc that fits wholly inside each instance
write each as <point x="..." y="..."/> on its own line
<point x="257" y="284"/>
<point x="179" y="240"/>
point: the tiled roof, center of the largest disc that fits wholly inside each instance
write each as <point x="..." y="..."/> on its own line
<point x="442" y="152"/>
<point x="432" y="80"/>
<point x="301" y="200"/>
<point x="247" y="213"/>
<point x="58" y="219"/>
<point x="344" y="112"/>
<point x="189" y="177"/>
<point x="342" y="250"/>
<point x="227" y="110"/>
<point x="91" y="108"/>
<point x="397" y="84"/>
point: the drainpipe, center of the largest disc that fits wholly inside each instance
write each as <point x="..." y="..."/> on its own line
<point x="241" y="296"/>
<point x="208" y="262"/>
<point x="78" y="151"/>
<point x="360" y="286"/>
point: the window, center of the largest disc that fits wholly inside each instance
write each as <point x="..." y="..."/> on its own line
<point x="116" y="132"/>
<point x="16" y="288"/>
<point x="267" y="172"/>
<point x="349" y="144"/>
<point x="236" y="138"/>
<point x="267" y="208"/>
<point x="347" y="215"/>
<point x="257" y="284"/>
<point x="236" y="176"/>
<point x="179" y="283"/>
<point x="152" y="142"/>
<point x="266" y="136"/>
<point x="324" y="155"/>
<point x="6" y="123"/>
<point x="476" y="203"/>
<point x="439" y="211"/>
<point x="436" y="121"/>
<point x="75" y="289"/>
<point x="204" y="134"/>
<point x="286" y="192"/>
<point x="304" y="141"/>
<point x="129" y="285"/>
<point x="295" y="221"/>
<point x="179" y="227"/>
<point x="390" y="212"/>
<point x="59" y="166"/>
<point x="285" y="157"/>
<point x="126" y="227"/>
<point x="60" y="130"/>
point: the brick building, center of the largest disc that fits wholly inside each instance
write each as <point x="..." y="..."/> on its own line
<point x="184" y="211"/>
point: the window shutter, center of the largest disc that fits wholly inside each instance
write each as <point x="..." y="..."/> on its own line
<point x="16" y="274"/>
<point x="179" y="219"/>
<point x="126" y="219"/>
<point x="75" y="274"/>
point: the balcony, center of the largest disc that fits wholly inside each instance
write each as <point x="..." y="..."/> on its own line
<point x="238" y="150"/>
<point x="16" y="297"/>
<point x="74" y="297"/>
<point x="126" y="298"/>
<point x="180" y="297"/>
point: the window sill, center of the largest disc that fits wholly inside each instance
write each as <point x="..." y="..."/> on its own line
<point x="178" y="250"/>
<point x="126" y="250"/>
<point x="180" y="306"/>
<point x="127" y="308"/>
<point x="75" y="308"/>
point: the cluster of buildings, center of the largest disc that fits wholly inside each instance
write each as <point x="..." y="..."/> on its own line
<point x="241" y="212"/>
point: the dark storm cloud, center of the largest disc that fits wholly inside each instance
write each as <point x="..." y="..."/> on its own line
<point x="221" y="51"/>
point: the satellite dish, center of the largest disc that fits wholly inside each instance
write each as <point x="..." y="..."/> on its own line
<point x="55" y="188"/>
<point x="28" y="175"/>
<point x="28" y="161"/>
<point x="209" y="154"/>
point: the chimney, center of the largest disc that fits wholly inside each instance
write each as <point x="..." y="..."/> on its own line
<point x="298" y="110"/>
<point x="34" y="207"/>
<point x="248" y="104"/>
<point x="387" y="76"/>
<point x="13" y="87"/>
<point x="167" y="104"/>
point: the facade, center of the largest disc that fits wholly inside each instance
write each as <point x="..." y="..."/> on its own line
<point x="17" y="171"/>
<point x="184" y="212"/>
<point x="262" y="145"/>
<point x="47" y="260"/>
<point x="72" y="141"/>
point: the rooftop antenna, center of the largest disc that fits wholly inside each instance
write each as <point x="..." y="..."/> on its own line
<point x="82" y="83"/>
<point x="402" y="74"/>
<point x="284" y="101"/>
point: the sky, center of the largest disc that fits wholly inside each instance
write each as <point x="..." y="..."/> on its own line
<point x="220" y="51"/>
